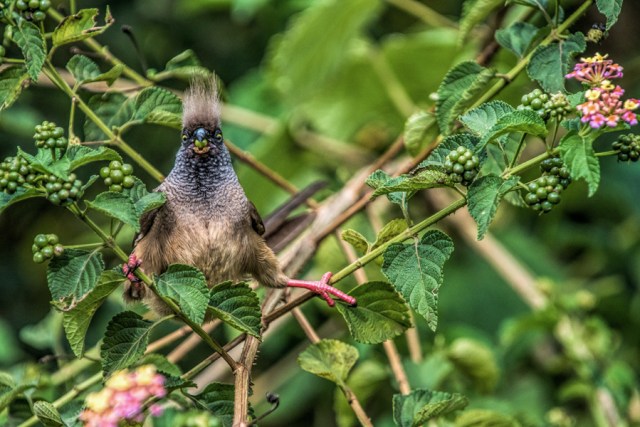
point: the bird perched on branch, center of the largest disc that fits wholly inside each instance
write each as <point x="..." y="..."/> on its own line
<point x="207" y="220"/>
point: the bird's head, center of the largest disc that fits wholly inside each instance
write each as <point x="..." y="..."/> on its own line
<point x="201" y="132"/>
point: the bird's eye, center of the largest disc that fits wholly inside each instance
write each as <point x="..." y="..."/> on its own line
<point x="184" y="137"/>
<point x="218" y="135"/>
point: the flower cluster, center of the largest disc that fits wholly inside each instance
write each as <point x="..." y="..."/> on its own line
<point x="123" y="398"/>
<point x="603" y="105"/>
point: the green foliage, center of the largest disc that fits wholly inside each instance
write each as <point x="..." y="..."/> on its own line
<point x="72" y="275"/>
<point x="31" y="42"/>
<point x="365" y="381"/>
<point x="517" y="37"/>
<point x="329" y="359"/>
<point x="611" y="9"/>
<point x="484" y="117"/>
<point x="524" y="121"/>
<point x="381" y="313"/>
<point x="550" y="63"/>
<point x="577" y="154"/>
<point x="125" y="341"/>
<point x="484" y="197"/>
<point x="84" y="70"/>
<point x="79" y="27"/>
<point x="474" y="12"/>
<point x="419" y="129"/>
<point x="116" y="205"/>
<point x="237" y="305"/>
<point x="416" y="271"/>
<point x="47" y="414"/>
<point x="218" y="399"/>
<point x="422" y="405"/>
<point x="476" y="361"/>
<point x="485" y="418"/>
<point x="187" y="286"/>
<point x="12" y="80"/>
<point x="356" y="240"/>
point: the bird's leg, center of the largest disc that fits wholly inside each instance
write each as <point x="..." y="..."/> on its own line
<point x="128" y="269"/>
<point x="322" y="288"/>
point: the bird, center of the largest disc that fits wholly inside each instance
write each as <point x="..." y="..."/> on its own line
<point x="207" y="220"/>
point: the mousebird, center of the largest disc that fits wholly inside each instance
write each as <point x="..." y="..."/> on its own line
<point x="207" y="220"/>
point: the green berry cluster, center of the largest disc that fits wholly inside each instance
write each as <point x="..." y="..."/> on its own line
<point x="48" y="135"/>
<point x="557" y="107"/>
<point x="14" y="172"/>
<point x="544" y="193"/>
<point x="31" y="10"/>
<point x="117" y="176"/>
<point x="628" y="147"/>
<point x="45" y="247"/>
<point x="61" y="192"/>
<point x="535" y="100"/>
<point x="462" y="165"/>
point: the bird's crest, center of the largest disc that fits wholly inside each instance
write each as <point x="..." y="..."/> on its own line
<point x="201" y="104"/>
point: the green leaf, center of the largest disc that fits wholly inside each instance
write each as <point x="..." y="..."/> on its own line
<point x="611" y="9"/>
<point x="355" y="239"/>
<point x="416" y="271"/>
<point x="473" y="13"/>
<point x="476" y="360"/>
<point x="76" y="319"/>
<point x="236" y="305"/>
<point x="525" y="121"/>
<point x="389" y="231"/>
<point x="549" y="64"/>
<point x="329" y="359"/>
<point x="517" y="37"/>
<point x="113" y="108"/>
<point x="116" y="205"/>
<point x="161" y="363"/>
<point x="72" y="275"/>
<point x="29" y="38"/>
<point x="578" y="156"/>
<point x="125" y="341"/>
<point x="381" y="313"/>
<point x="427" y="177"/>
<point x="457" y="91"/>
<point x="485" y="418"/>
<point x="164" y="118"/>
<point x="318" y="52"/>
<point x="154" y="100"/>
<point x="366" y="380"/>
<point x="12" y="81"/>
<point x="538" y="4"/>
<point x="43" y="162"/>
<point x="484" y="196"/>
<point x="42" y="335"/>
<point x="421" y="405"/>
<point x="419" y="129"/>
<point x="450" y="143"/>
<point x="184" y="66"/>
<point x="218" y="399"/>
<point x="187" y="286"/>
<point x="19" y="195"/>
<point x="79" y="27"/>
<point x="482" y="118"/>
<point x="144" y="201"/>
<point x="84" y="70"/>
<point x="80" y="155"/>
<point x="47" y="414"/>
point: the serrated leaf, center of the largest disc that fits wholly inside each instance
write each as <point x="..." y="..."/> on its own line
<point x="218" y="398"/>
<point x="236" y="305"/>
<point x="389" y="231"/>
<point x="482" y="118"/>
<point x="47" y="414"/>
<point x="116" y="205"/>
<point x="125" y="341"/>
<point x="72" y="275"/>
<point x="19" y="195"/>
<point x="416" y="271"/>
<point x="355" y="239"/>
<point x="6" y="380"/>
<point x="421" y="405"/>
<point x="113" y="108"/>
<point x="143" y="200"/>
<point x="476" y="361"/>
<point x="524" y="121"/>
<point x="76" y="320"/>
<point x="381" y="313"/>
<point x="450" y="143"/>
<point x="458" y="89"/>
<point x="484" y="196"/>
<point x="187" y="286"/>
<point x="418" y="130"/>
<point x="154" y="100"/>
<point x="44" y="162"/>
<point x="84" y="70"/>
<point x="12" y="81"/>
<point x="329" y="359"/>
<point x="80" y="26"/>
<point x="485" y="418"/>
<point x="183" y="66"/>
<point x="517" y="37"/>
<point x="164" y="118"/>
<point x="578" y="156"/>
<point x="549" y="64"/>
<point x="611" y="9"/>
<point x="364" y="381"/>
<point x="428" y="177"/>
<point x="474" y="13"/>
<point x="29" y="38"/>
<point x="80" y="155"/>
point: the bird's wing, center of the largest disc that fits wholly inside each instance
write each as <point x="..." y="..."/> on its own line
<point x="146" y="222"/>
<point x="256" y="221"/>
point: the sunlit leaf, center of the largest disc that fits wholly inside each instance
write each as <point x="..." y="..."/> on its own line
<point x="125" y="341"/>
<point x="236" y="305"/>
<point x="187" y="286"/>
<point x="419" y="406"/>
<point x="72" y="275"/>
<point x="484" y="196"/>
<point x="329" y="359"/>
<point x="29" y="38"/>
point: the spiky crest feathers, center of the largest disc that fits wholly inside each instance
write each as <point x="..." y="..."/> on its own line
<point x="201" y="105"/>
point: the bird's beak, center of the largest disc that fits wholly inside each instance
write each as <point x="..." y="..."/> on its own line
<point x="201" y="145"/>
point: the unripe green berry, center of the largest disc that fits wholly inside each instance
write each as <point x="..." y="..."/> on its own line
<point x="41" y="240"/>
<point x="115" y="188"/>
<point x="104" y="172"/>
<point x="58" y="250"/>
<point x="47" y="251"/>
<point x="115" y="164"/>
<point x="52" y="239"/>
<point x="127" y="169"/>
<point x="38" y="258"/>
<point x="128" y="182"/>
<point x="116" y="176"/>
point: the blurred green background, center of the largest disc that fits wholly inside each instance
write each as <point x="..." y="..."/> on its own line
<point x="310" y="86"/>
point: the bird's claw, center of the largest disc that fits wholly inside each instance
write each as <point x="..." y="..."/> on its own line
<point x="324" y="290"/>
<point x="129" y="268"/>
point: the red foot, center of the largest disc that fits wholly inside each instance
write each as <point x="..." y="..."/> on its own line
<point x="323" y="289"/>
<point x="129" y="268"/>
